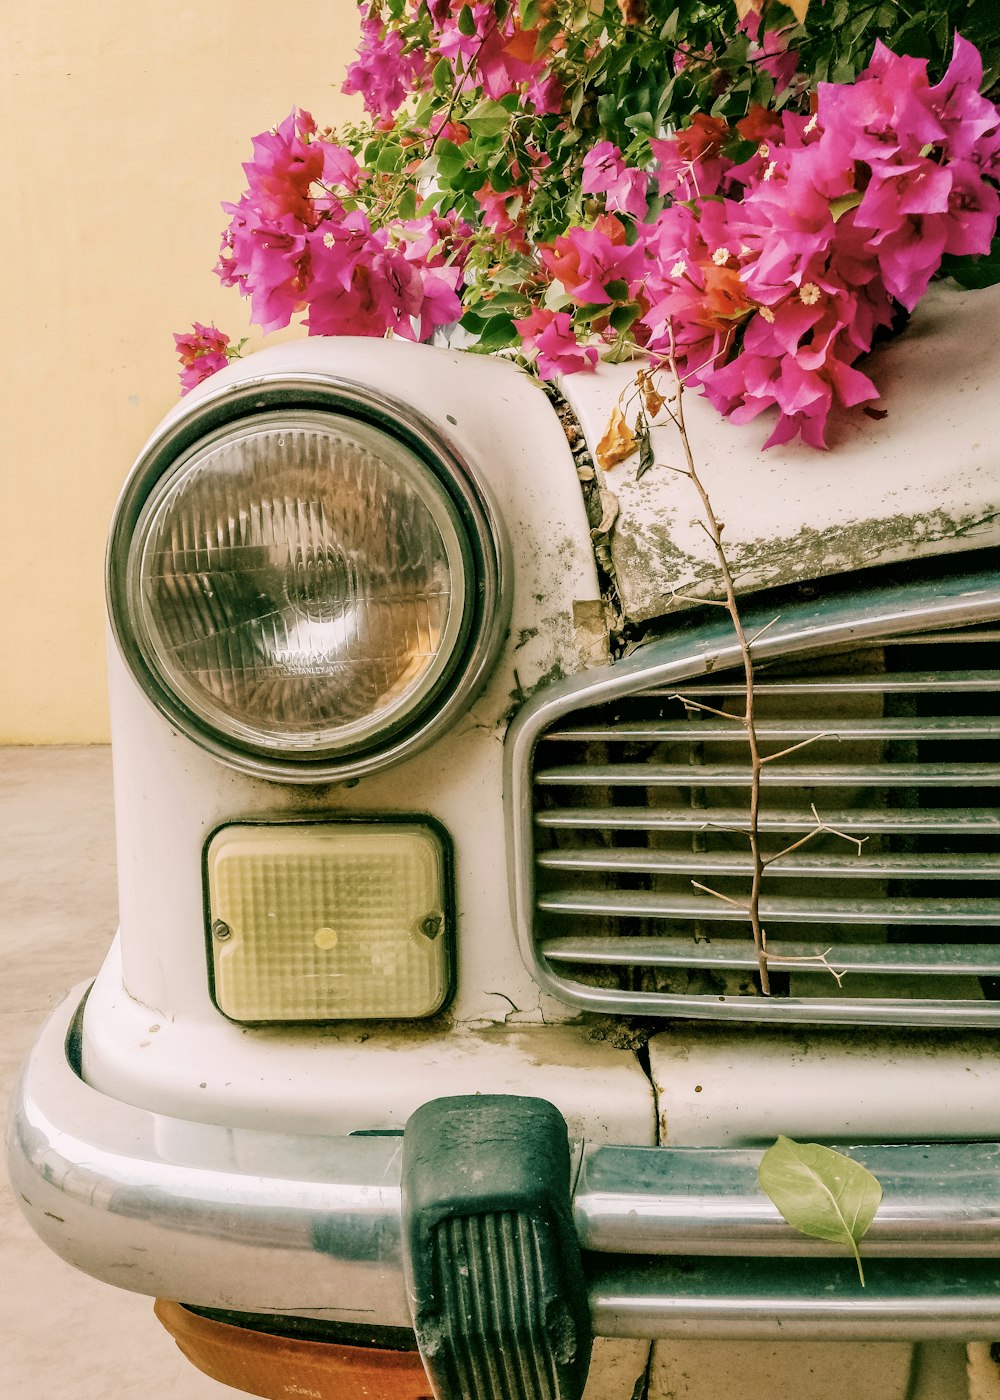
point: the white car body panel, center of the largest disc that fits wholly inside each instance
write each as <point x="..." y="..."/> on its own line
<point x="925" y="479"/>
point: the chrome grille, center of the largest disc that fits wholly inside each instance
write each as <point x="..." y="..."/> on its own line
<point x="885" y="910"/>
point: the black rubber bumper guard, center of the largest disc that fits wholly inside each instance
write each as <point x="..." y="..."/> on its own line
<point x="492" y="1262"/>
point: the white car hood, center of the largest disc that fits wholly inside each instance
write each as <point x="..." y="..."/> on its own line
<point x="923" y="480"/>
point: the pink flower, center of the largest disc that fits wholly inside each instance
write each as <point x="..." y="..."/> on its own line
<point x="604" y="172"/>
<point x="691" y="165"/>
<point x="204" y="351"/>
<point x="285" y="164"/>
<point x="550" y="335"/>
<point x="776" y="58"/>
<point x="502" y="212"/>
<point x="586" y="261"/>
<point x="385" y="71"/>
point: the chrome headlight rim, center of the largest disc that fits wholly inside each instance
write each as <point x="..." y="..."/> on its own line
<point x="488" y="565"/>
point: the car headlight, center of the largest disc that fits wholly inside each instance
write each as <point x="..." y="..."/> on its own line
<point x="310" y="588"/>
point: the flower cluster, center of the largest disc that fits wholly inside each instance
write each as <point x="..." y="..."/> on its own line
<point x="300" y="240"/>
<point x="577" y="183"/>
<point x="770" y="278"/>
<point x="201" y="352"/>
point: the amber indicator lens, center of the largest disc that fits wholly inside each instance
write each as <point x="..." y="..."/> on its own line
<point x="332" y="921"/>
<point x="259" y="1363"/>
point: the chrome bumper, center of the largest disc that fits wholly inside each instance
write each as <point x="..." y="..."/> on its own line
<point x="680" y="1241"/>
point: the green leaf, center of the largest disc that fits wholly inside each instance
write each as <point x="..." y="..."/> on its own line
<point x="442" y="77"/>
<point x="450" y="158"/>
<point x="669" y="30"/>
<point x="642" y="122"/>
<point x="821" y="1192"/>
<point x="466" y="21"/>
<point x="607" y="109"/>
<point x="487" y="118"/>
<point x="388" y="159"/>
<point x="843" y="204"/>
<point x="498" y="333"/>
<point x="622" y="317"/>
<point x="974" y="273"/>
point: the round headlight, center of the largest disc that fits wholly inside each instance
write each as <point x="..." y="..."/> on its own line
<point x="306" y="592"/>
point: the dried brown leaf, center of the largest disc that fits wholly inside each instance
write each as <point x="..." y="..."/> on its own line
<point x="618" y="442"/>
<point x="651" y="396"/>
<point x="609" y="514"/>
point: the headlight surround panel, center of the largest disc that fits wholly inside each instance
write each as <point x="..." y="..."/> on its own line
<point x="443" y="502"/>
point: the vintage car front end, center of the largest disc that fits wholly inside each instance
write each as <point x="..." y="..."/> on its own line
<point x="428" y="807"/>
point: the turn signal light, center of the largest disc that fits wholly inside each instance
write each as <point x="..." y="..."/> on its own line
<point x="259" y="1363"/>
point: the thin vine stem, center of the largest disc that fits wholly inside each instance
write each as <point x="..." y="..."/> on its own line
<point x="714" y="528"/>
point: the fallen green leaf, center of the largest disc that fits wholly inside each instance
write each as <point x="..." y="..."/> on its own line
<point x="821" y="1192"/>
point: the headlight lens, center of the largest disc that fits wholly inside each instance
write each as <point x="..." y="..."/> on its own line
<point x="303" y="586"/>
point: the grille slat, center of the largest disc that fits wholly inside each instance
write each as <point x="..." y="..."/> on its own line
<point x="890" y="865"/>
<point x="893" y="959"/>
<point x="884" y="820"/>
<point x="889" y="793"/>
<point x="730" y="729"/>
<point x="956" y="681"/>
<point x="978" y="913"/>
<point x="773" y="775"/>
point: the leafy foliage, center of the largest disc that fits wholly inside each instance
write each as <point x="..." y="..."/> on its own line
<point x="558" y="176"/>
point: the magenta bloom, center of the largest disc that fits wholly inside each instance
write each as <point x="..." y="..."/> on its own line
<point x="624" y="188"/>
<point x="285" y="164"/>
<point x="382" y="72"/>
<point x="201" y="353"/>
<point x="586" y="261"/>
<point x="550" y="335"/>
<point x="778" y="60"/>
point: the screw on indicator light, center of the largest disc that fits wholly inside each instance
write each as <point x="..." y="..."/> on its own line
<point x="221" y="930"/>
<point x="431" y="926"/>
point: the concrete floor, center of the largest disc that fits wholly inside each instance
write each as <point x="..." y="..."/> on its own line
<point x="63" y="1334"/>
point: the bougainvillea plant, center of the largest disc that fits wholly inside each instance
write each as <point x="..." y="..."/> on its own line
<point x="765" y="187"/>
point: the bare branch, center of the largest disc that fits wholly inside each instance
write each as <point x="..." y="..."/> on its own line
<point x="811" y="960"/>
<point x="708" y="709"/>
<point x="819" y="829"/>
<point x="800" y="745"/>
<point x="713" y="528"/>
<point x="761" y="630"/>
<point x="707" y="889"/>
<point x="858" y="841"/>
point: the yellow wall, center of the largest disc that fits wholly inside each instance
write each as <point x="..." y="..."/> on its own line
<point x="123" y="125"/>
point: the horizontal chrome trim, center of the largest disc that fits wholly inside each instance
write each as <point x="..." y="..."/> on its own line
<point x="887" y="865"/>
<point x="797" y="775"/>
<point x="946" y="959"/>
<point x="731" y="729"/>
<point x="965" y="820"/>
<point x="939" y="1200"/>
<point x="309" y="1225"/>
<point x="776" y="909"/>
<point x="897" y="682"/>
<point x="795" y="1300"/>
